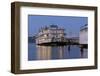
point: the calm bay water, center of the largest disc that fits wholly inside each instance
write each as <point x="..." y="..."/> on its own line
<point x="55" y="52"/>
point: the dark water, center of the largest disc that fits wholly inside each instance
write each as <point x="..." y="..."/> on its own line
<point x="55" y="52"/>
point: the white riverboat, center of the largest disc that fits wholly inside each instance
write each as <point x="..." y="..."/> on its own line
<point x="83" y="36"/>
<point x="51" y="35"/>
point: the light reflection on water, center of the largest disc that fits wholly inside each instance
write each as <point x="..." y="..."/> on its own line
<point x="36" y="52"/>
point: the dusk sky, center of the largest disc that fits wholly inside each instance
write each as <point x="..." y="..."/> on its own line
<point x="71" y="24"/>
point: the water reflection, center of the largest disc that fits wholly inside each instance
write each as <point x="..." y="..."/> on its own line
<point x="83" y="52"/>
<point x="59" y="52"/>
<point x="43" y="52"/>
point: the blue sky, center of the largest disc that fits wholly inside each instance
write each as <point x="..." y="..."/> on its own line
<point x="71" y="24"/>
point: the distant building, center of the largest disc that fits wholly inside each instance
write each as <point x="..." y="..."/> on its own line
<point x="83" y="38"/>
<point x="51" y="34"/>
<point x="31" y="39"/>
<point x="73" y="40"/>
